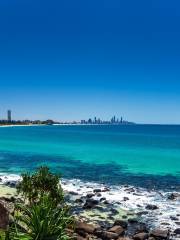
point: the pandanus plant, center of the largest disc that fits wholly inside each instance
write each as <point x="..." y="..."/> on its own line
<point x="44" y="214"/>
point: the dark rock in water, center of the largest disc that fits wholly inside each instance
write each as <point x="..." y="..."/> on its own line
<point x="99" y="195"/>
<point x="98" y="190"/>
<point x="130" y="190"/>
<point x="114" y="211"/>
<point x="106" y="202"/>
<point x="124" y="217"/>
<point x="102" y="199"/>
<point x="117" y="229"/>
<point x="90" y="195"/>
<point x="142" y="213"/>
<point x="106" y="189"/>
<point x="177" y="223"/>
<point x="132" y="220"/>
<point x="73" y="193"/>
<point x="174" y="196"/>
<point x="174" y="218"/>
<point x="125" y="199"/>
<point x="4" y="217"/>
<point x="0" y="179"/>
<point x="79" y="200"/>
<point x="105" y="235"/>
<point x="160" y="234"/>
<point x="90" y="203"/>
<point x="141" y="236"/>
<point x="177" y="231"/>
<point x="151" y="207"/>
<point x="11" y="184"/>
<point x="121" y="223"/>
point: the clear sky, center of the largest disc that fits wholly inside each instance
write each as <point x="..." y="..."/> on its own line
<point x="78" y="59"/>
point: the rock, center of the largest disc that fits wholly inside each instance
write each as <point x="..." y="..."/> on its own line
<point x="98" y="195"/>
<point x="106" y="235"/>
<point x="141" y="236"/>
<point x="11" y="184"/>
<point x="141" y="228"/>
<point x="174" y="196"/>
<point x="98" y="190"/>
<point x="142" y="213"/>
<point x="78" y="237"/>
<point x="124" y="238"/>
<point x="160" y="234"/>
<point x="174" y="218"/>
<point x="85" y="227"/>
<point x="121" y="223"/>
<point x="151" y="207"/>
<point x="177" y="231"/>
<point x="4" y="217"/>
<point x="117" y="229"/>
<point x="132" y="220"/>
<point x="106" y="189"/>
<point x="90" y="195"/>
<point x="90" y="203"/>
<point x="125" y="199"/>
<point x="73" y="193"/>
<point x="102" y="199"/>
<point x="114" y="211"/>
<point x="78" y="200"/>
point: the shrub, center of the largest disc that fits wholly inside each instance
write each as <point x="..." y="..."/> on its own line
<point x="33" y="186"/>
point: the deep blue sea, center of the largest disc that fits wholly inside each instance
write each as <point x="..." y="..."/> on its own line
<point x="141" y="155"/>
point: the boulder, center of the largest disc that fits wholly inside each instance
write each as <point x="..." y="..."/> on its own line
<point x="4" y="217"/>
<point x="124" y="238"/>
<point x="177" y="231"/>
<point x="117" y="229"/>
<point x="151" y="207"/>
<point x="106" y="235"/>
<point x="141" y="236"/>
<point x="174" y="196"/>
<point x="98" y="190"/>
<point x="106" y="189"/>
<point x="160" y="234"/>
<point x="121" y="223"/>
<point x="90" y="203"/>
<point x="90" y="195"/>
<point x="84" y="227"/>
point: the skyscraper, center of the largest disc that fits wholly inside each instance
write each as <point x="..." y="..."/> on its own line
<point x="9" y="115"/>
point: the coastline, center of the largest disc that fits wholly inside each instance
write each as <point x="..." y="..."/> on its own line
<point x="101" y="204"/>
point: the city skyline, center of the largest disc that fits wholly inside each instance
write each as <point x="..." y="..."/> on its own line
<point x="70" y="60"/>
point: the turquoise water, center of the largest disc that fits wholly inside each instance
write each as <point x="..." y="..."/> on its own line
<point x="140" y="154"/>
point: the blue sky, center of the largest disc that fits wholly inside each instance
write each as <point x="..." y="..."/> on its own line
<point x="76" y="59"/>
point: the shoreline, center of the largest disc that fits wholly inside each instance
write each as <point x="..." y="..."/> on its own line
<point x="101" y="204"/>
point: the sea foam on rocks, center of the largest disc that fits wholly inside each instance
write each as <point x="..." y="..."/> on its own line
<point x="157" y="208"/>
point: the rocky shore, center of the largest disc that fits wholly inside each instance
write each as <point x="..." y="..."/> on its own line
<point x="111" y="212"/>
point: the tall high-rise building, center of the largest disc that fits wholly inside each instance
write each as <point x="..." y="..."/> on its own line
<point x="9" y="115"/>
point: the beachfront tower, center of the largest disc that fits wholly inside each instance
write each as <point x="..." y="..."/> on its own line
<point x="9" y="115"/>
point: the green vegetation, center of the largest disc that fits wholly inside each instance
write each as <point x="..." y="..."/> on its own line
<point x="44" y="214"/>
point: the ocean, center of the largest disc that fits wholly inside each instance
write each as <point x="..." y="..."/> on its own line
<point x="140" y="155"/>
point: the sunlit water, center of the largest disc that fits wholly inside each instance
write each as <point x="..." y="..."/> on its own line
<point x="141" y="155"/>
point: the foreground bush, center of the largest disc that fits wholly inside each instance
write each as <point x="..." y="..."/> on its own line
<point x="44" y="215"/>
<point x="42" y="182"/>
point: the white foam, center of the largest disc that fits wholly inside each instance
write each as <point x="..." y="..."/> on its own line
<point x="139" y="198"/>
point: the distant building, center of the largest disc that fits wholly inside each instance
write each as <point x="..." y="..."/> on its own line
<point x="9" y="116"/>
